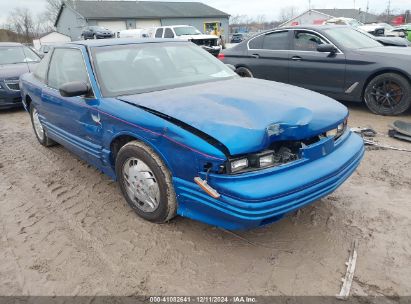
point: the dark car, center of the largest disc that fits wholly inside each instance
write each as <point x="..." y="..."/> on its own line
<point x="96" y="32"/>
<point x="338" y="61"/>
<point x="183" y="134"/>
<point x="15" y="60"/>
<point x="237" y="38"/>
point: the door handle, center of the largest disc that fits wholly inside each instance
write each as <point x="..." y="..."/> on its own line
<point x="296" y="58"/>
<point x="255" y="56"/>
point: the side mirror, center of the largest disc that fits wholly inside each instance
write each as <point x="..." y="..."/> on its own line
<point x="231" y="67"/>
<point x="327" y="48"/>
<point x="75" y="88"/>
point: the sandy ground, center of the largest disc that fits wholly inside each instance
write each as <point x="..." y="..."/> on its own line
<point x="65" y="230"/>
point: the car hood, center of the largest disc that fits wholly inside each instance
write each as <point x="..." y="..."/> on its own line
<point x="15" y="70"/>
<point x="246" y="114"/>
<point x="387" y="51"/>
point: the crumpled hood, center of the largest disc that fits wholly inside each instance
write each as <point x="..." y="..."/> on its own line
<point x="246" y="114"/>
<point x="13" y="71"/>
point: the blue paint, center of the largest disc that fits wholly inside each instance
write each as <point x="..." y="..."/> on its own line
<point x="244" y="115"/>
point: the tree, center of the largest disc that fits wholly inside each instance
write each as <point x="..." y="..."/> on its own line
<point x="287" y="13"/>
<point x="21" y="21"/>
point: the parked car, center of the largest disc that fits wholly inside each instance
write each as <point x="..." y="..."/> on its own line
<point x="210" y="43"/>
<point x="96" y="32"/>
<point x="15" y="59"/>
<point x="237" y="38"/>
<point x="373" y="29"/>
<point x="238" y="156"/>
<point x="390" y="31"/>
<point x="337" y="61"/>
<point x="44" y="49"/>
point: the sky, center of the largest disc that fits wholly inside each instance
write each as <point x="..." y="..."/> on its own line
<point x="253" y="8"/>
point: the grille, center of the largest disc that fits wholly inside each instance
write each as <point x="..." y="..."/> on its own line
<point x="14" y="86"/>
<point x="206" y="42"/>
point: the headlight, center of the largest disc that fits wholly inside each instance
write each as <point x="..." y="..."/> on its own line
<point x="336" y="133"/>
<point x="266" y="160"/>
<point x="239" y="164"/>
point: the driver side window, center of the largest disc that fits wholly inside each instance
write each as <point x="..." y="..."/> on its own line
<point x="66" y="65"/>
<point x="307" y="41"/>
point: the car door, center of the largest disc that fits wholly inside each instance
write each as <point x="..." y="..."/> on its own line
<point x="268" y="56"/>
<point x="317" y="71"/>
<point x="74" y="121"/>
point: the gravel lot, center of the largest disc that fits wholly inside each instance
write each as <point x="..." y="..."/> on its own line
<point x="66" y="230"/>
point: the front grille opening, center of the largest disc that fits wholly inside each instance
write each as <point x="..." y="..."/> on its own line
<point x="283" y="152"/>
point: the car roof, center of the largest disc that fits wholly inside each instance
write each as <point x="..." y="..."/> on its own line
<point x="120" y="41"/>
<point x="7" y="44"/>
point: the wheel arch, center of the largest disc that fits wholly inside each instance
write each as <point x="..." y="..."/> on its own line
<point x="121" y="139"/>
<point x="380" y="72"/>
<point x="27" y="101"/>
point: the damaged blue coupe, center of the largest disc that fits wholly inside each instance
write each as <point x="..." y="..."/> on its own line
<point x="184" y="135"/>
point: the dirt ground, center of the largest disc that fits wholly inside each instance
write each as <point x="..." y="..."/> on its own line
<point x="66" y="230"/>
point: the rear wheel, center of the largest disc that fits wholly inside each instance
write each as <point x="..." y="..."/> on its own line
<point x="388" y="94"/>
<point x="145" y="182"/>
<point x="244" y="72"/>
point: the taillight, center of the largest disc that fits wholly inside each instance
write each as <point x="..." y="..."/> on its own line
<point x="221" y="56"/>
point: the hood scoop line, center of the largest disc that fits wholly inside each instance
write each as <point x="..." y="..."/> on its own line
<point x="211" y="140"/>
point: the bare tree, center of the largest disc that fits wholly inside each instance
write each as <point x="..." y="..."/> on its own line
<point x="21" y="21"/>
<point x="286" y="13"/>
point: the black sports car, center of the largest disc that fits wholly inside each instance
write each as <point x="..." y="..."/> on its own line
<point x="337" y="61"/>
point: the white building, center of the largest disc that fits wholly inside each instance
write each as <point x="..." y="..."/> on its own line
<point x="51" y="39"/>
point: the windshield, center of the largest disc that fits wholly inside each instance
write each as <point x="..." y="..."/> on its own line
<point x="140" y="68"/>
<point x="99" y="28"/>
<point x="351" y="39"/>
<point x="186" y="30"/>
<point x="17" y="54"/>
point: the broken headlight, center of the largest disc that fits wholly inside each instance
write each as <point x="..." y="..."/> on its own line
<point x="337" y="132"/>
<point x="265" y="159"/>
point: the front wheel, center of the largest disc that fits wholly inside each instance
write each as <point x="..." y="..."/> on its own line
<point x="145" y="182"/>
<point x="388" y="94"/>
<point x="38" y="128"/>
<point x="244" y="72"/>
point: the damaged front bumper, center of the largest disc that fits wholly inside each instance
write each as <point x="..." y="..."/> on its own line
<point x="258" y="198"/>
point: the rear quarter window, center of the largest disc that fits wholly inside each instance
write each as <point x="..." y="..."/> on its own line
<point x="40" y="71"/>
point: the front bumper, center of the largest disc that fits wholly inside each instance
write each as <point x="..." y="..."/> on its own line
<point x="10" y="99"/>
<point x="104" y="36"/>
<point x="260" y="198"/>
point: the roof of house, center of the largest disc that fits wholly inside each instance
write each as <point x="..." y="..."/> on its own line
<point x="346" y="13"/>
<point x="349" y="13"/>
<point x="142" y="9"/>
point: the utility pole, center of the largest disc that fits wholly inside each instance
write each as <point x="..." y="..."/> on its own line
<point x="309" y="4"/>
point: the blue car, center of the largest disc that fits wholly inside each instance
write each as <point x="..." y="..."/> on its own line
<point x="184" y="135"/>
<point x="15" y="60"/>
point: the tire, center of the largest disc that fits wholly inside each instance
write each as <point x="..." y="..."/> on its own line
<point x="244" y="72"/>
<point x="141" y="173"/>
<point x="38" y="128"/>
<point x="388" y="94"/>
